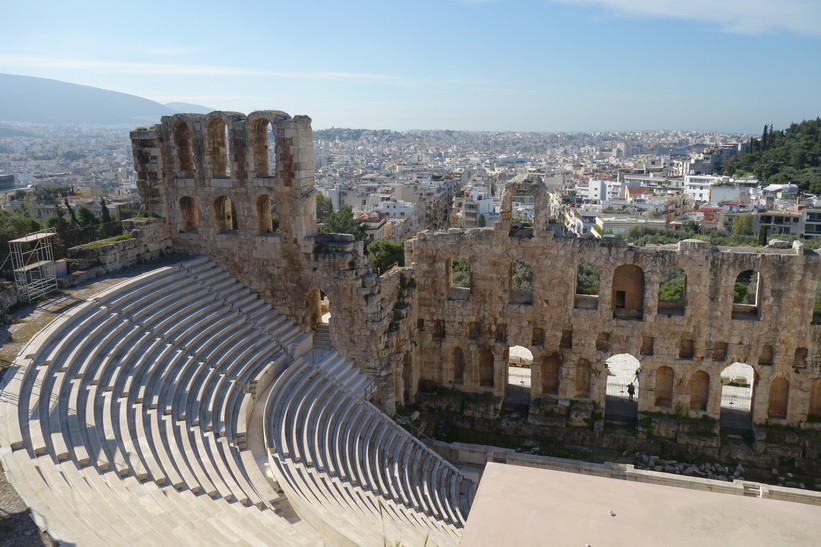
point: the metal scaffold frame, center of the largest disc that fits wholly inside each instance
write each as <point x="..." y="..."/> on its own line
<point x="32" y="258"/>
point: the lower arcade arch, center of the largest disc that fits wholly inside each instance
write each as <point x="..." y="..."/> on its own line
<point x="622" y="391"/>
<point x="517" y="369"/>
<point x="737" y="388"/>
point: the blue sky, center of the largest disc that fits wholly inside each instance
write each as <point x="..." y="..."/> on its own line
<point x="540" y="65"/>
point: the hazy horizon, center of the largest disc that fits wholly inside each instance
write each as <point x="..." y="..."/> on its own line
<point x="547" y="66"/>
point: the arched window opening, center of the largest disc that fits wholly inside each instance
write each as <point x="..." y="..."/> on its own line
<point x="587" y="286"/>
<point x="218" y="149"/>
<point x="225" y="215"/>
<point x="628" y="292"/>
<point x="521" y="282"/>
<point x="267" y="220"/>
<point x="779" y="398"/>
<point x="746" y="295"/>
<point x="188" y="214"/>
<point x="458" y="362"/>
<point x="664" y="386"/>
<point x="458" y="278"/>
<point x="699" y="390"/>
<point x="184" y="150"/>
<point x="622" y="392"/>
<point x="519" y="362"/>
<point x="672" y="291"/>
<point x="486" y="368"/>
<point x="737" y="381"/>
<point x="814" y="414"/>
<point x="582" y="383"/>
<point x="263" y="153"/>
<point x="551" y="371"/>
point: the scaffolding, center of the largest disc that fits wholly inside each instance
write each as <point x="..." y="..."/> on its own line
<point x="32" y="259"/>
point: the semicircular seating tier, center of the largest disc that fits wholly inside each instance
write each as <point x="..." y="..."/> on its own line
<point x="129" y="420"/>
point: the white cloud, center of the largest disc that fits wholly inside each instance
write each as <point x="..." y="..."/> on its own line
<point x="735" y="16"/>
<point x="28" y="62"/>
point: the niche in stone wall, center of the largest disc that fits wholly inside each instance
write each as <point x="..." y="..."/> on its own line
<point x="628" y="292"/>
<point x="184" y="149"/>
<point x="225" y="215"/>
<point x="189" y="217"/>
<point x="218" y="152"/>
<point x="779" y="398"/>
<point x="263" y="148"/>
<point x="699" y="390"/>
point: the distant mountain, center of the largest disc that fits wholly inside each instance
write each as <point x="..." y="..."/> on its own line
<point x="45" y="101"/>
<point x="11" y="132"/>
<point x="189" y="108"/>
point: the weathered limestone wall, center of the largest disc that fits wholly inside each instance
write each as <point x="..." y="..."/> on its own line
<point x="215" y="179"/>
<point x="149" y="241"/>
<point x="557" y="325"/>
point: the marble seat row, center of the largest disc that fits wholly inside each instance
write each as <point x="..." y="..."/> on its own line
<point x="147" y="390"/>
<point x="349" y="466"/>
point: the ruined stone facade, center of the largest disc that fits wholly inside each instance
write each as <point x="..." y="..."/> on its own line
<point x="216" y="179"/>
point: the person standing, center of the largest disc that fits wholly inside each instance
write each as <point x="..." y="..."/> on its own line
<point x="631" y="390"/>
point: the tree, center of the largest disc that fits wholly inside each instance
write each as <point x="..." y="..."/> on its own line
<point x="324" y="207"/>
<point x="110" y="226"/>
<point x="13" y="225"/>
<point x="344" y="222"/>
<point x="459" y="272"/>
<point x="86" y="216"/>
<point x="382" y="253"/>
<point x="482" y="221"/>
<point x="522" y="276"/>
<point x="437" y="214"/>
<point x="762" y="236"/>
<point x="743" y="225"/>
<point x="74" y="222"/>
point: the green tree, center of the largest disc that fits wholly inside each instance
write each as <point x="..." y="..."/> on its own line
<point x="587" y="279"/>
<point x="482" y="222"/>
<point x="671" y="284"/>
<point x="762" y="236"/>
<point x="86" y="216"/>
<point x="344" y="222"/>
<point x="743" y="224"/>
<point x="324" y="207"/>
<point x="522" y="276"/>
<point x="382" y="253"/>
<point x="459" y="272"/>
<point x="110" y="226"/>
<point x="13" y="225"/>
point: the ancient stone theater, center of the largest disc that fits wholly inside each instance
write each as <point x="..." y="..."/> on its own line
<point x="243" y="393"/>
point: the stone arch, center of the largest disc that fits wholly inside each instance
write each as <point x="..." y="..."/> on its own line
<point x="263" y="148"/>
<point x="183" y="149"/>
<point x="747" y="295"/>
<point x="457" y="359"/>
<point x="582" y="380"/>
<point x="263" y="145"/>
<point x="540" y="202"/>
<point x="672" y="291"/>
<point x="623" y="371"/>
<point x="815" y="399"/>
<point x="486" y="368"/>
<point x="779" y="398"/>
<point x="225" y="217"/>
<point x="737" y="389"/>
<point x="665" y="378"/>
<point x="218" y="151"/>
<point x="699" y="390"/>
<point x="551" y="373"/>
<point x="189" y="216"/>
<point x="519" y="361"/>
<point x="628" y="292"/>
<point x="521" y="282"/>
<point x="265" y="215"/>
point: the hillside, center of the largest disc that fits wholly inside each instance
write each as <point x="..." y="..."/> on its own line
<point x="40" y="100"/>
<point x="781" y="156"/>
